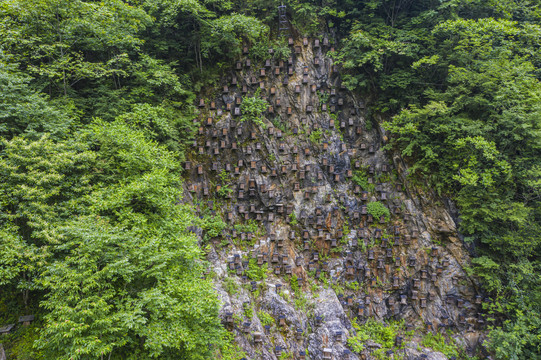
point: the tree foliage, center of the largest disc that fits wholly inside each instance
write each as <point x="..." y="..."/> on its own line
<point x="459" y="83"/>
<point x="96" y="113"/>
<point x="97" y="224"/>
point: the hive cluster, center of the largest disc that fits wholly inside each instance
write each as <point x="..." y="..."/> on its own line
<point x="309" y="192"/>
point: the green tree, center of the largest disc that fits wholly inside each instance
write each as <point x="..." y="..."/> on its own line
<point x="66" y="42"/>
<point x="24" y="110"/>
<point x="96" y="223"/>
<point x="472" y="131"/>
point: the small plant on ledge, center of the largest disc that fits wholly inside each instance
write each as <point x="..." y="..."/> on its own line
<point x="377" y="210"/>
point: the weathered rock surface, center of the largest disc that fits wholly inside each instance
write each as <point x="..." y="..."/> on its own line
<point x="413" y="352"/>
<point x="304" y="179"/>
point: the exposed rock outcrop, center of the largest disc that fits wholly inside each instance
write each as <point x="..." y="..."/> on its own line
<point x="302" y="181"/>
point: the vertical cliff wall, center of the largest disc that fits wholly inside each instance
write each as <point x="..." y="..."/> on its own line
<point x="322" y="227"/>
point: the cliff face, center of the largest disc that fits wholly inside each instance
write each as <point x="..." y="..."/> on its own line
<point x="306" y="186"/>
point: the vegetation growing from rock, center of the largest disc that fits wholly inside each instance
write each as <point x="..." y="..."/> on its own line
<point x="256" y="272"/>
<point x="377" y="210"/>
<point x="265" y="318"/>
<point x="360" y="178"/>
<point x="253" y="107"/>
<point x="438" y="342"/>
<point x="374" y="331"/>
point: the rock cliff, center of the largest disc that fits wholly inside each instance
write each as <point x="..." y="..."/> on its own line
<point x="323" y="231"/>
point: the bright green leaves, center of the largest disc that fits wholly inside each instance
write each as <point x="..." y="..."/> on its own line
<point x="223" y="36"/>
<point x="256" y="272"/>
<point x="116" y="284"/>
<point x="382" y="40"/>
<point x="163" y="124"/>
<point x="238" y="26"/>
<point x="86" y="315"/>
<point x="460" y="133"/>
<point x="315" y="136"/>
<point x="481" y="38"/>
<point x="370" y="50"/>
<point x="515" y="288"/>
<point x="230" y="349"/>
<point x="41" y="179"/>
<point x="438" y="343"/>
<point x="253" y="108"/>
<point x="425" y="62"/>
<point x="211" y="225"/>
<point x="377" y="210"/>
<point x="42" y="182"/>
<point x="156" y="81"/>
<point x="95" y="224"/>
<point x="517" y="340"/>
<point x="17" y="259"/>
<point x="482" y="166"/>
<point x="381" y="333"/>
<point x="488" y="270"/>
<point x="55" y="40"/>
<point x="206" y="34"/>
<point x="361" y="178"/>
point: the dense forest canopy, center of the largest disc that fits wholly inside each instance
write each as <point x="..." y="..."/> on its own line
<point x="96" y="109"/>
